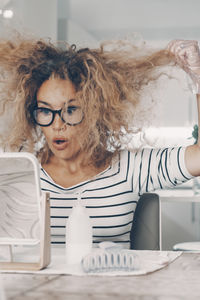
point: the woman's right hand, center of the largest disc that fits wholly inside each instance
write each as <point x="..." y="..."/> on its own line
<point x="187" y="55"/>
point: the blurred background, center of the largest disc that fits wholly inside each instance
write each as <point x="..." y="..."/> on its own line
<point x="92" y="20"/>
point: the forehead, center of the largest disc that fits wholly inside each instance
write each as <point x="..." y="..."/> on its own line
<point x="56" y="91"/>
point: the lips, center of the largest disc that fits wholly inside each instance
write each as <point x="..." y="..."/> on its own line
<point x="60" y="143"/>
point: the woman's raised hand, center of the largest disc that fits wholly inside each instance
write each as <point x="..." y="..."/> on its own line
<point x="187" y="55"/>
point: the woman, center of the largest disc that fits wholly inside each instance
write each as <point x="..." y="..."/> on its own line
<point x="74" y="108"/>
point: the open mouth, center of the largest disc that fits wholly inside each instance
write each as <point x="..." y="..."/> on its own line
<point x="59" y="140"/>
<point x="60" y="143"/>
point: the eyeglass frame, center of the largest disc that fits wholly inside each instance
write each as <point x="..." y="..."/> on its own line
<point x="54" y="112"/>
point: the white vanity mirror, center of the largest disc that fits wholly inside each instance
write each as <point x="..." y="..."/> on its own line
<point x="24" y="214"/>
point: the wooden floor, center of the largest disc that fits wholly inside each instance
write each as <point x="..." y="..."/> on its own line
<point x="178" y="281"/>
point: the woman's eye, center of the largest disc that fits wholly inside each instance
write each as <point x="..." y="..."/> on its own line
<point x="71" y="109"/>
<point x="44" y="111"/>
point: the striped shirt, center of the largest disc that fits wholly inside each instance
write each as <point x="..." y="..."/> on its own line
<point x="111" y="196"/>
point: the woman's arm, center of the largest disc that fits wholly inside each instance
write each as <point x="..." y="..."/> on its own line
<point x="192" y="153"/>
<point x="187" y="55"/>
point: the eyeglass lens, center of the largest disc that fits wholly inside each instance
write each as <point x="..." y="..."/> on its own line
<point x="72" y="114"/>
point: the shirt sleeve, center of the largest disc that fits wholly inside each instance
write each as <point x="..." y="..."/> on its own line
<point x="159" y="169"/>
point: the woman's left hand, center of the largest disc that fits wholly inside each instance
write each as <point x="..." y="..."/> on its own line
<point x="187" y="55"/>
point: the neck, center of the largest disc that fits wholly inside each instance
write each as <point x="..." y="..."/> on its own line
<point x="72" y="165"/>
<point x="70" y="172"/>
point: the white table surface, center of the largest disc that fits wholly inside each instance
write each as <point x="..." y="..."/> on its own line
<point x="177" y="281"/>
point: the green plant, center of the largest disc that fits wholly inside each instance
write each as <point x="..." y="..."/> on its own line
<point x="195" y="133"/>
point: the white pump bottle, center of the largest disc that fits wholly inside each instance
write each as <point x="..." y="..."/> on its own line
<point x="78" y="233"/>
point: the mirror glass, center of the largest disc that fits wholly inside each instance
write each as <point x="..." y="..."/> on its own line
<point x="19" y="208"/>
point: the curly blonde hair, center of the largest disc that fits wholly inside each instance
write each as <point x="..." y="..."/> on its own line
<point x="108" y="81"/>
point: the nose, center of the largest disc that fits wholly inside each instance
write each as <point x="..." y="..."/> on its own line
<point x="58" y="123"/>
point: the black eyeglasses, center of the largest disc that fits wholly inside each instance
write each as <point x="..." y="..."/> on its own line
<point x="69" y="114"/>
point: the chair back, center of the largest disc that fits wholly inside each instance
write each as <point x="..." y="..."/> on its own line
<point x="146" y="228"/>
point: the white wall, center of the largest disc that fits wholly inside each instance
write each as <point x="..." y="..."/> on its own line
<point x="38" y="17"/>
<point x="155" y="19"/>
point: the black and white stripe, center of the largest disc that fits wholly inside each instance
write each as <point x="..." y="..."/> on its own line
<point x="111" y="197"/>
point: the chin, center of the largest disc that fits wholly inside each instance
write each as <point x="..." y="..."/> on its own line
<point x="66" y="155"/>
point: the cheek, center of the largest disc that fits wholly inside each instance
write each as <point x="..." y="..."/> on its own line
<point x="82" y="137"/>
<point x="46" y="132"/>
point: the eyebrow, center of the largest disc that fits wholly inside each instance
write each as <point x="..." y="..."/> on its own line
<point x="43" y="102"/>
<point x="71" y="100"/>
<point x="49" y="104"/>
